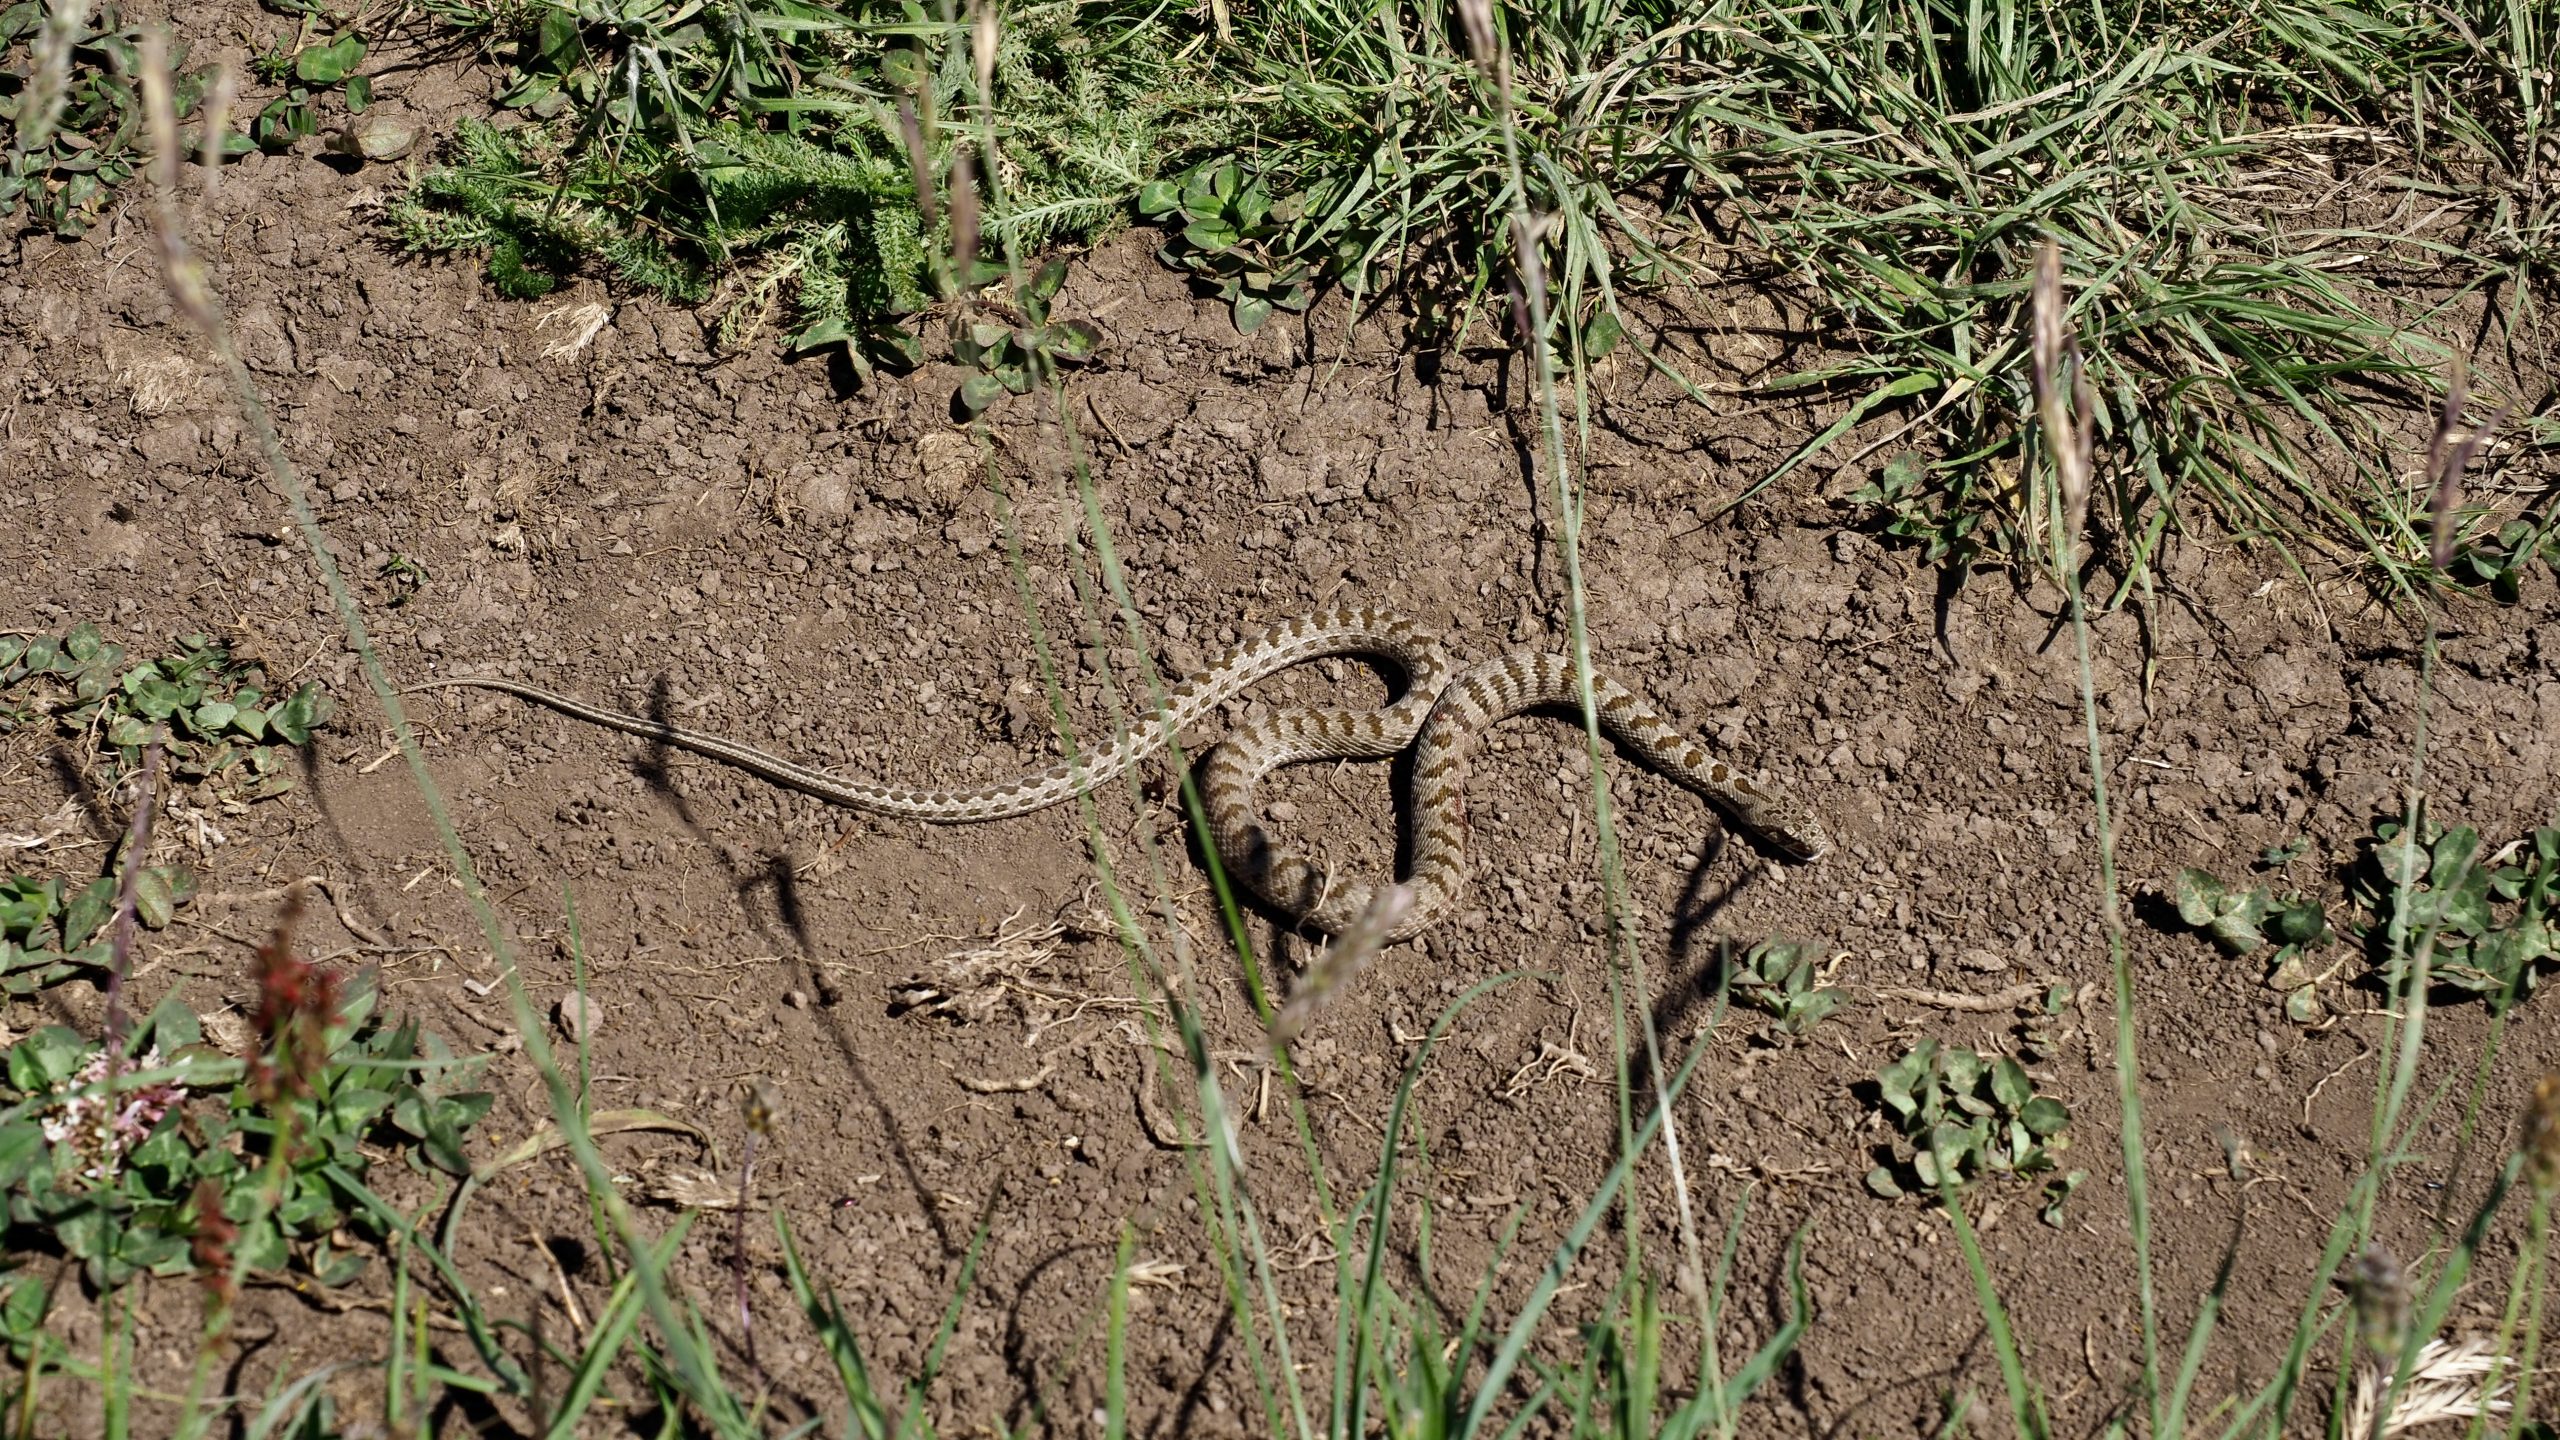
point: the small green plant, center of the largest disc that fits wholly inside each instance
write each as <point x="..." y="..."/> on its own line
<point x="2242" y="921"/>
<point x="1916" y="514"/>
<point x="2486" y="923"/>
<point x="219" y="725"/>
<point x="309" y="69"/>
<point x="2057" y="1191"/>
<point x="1964" y="1115"/>
<point x="25" y="1299"/>
<point x="1780" y="978"/>
<point x="2500" y="562"/>
<point x="48" y="932"/>
<point x="118" y="1183"/>
<point x="1014" y="359"/>
<point x="403" y="577"/>
<point x="59" y="170"/>
<point x="2245" y="922"/>
<point x="1233" y="238"/>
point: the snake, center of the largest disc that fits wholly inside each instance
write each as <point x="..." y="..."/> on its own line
<point x="1440" y="713"/>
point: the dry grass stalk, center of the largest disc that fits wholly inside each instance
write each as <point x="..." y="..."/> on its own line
<point x="762" y="1106"/>
<point x="2447" y="1382"/>
<point x="178" y="268"/>
<point x="977" y="981"/>
<point x="919" y="161"/>
<point x="137" y="854"/>
<point x="982" y="48"/>
<point x="689" y="1188"/>
<point x="1477" y="16"/>
<point x="580" y="324"/>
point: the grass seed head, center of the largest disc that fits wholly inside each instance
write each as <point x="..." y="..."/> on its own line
<point x="2444" y="479"/>
<point x="982" y="47"/>
<point x="178" y="268"/>
<point x="1477" y="17"/>
<point x="2449" y="453"/>
<point x="2541" y="1139"/>
<point x="919" y="160"/>
<point x="1346" y="957"/>
<point x="2054" y="364"/>
<point x="762" y="1107"/>
<point x="49" y="84"/>
<point x="220" y="92"/>
<point x="2379" y="1291"/>
<point x="964" y="217"/>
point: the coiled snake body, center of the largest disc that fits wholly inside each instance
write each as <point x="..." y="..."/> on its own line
<point x="1441" y="713"/>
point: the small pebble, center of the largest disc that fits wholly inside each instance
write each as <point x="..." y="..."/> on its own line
<point x="796" y="999"/>
<point x="1986" y="961"/>
<point x="578" y="1016"/>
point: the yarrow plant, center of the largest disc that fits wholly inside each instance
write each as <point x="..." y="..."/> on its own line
<point x="101" y="1124"/>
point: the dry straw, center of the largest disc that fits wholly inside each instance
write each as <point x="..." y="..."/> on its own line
<point x="2448" y="1382"/>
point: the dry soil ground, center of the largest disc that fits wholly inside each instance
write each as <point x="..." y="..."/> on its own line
<point x="769" y="553"/>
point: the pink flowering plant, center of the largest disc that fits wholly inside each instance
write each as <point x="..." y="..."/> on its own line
<point x="82" y="1145"/>
<point x="115" y="1163"/>
<point x="94" y="1121"/>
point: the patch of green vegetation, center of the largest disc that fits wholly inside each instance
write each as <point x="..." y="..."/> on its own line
<point x="2499" y="562"/>
<point x="1233" y="238"/>
<point x="1902" y="160"/>
<point x="218" y="725"/>
<point x="1898" y="162"/>
<point x="772" y="157"/>
<point x="309" y="68"/>
<point x="2245" y="922"/>
<point x="218" y="728"/>
<point x="2487" y="923"/>
<point x="1964" y="1115"/>
<point x="1013" y="359"/>
<point x="71" y="112"/>
<point x="48" y="932"/>
<point x="1783" y="979"/>
<point x="117" y="1172"/>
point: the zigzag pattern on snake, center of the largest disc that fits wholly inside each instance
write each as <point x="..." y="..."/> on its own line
<point x="1441" y="712"/>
